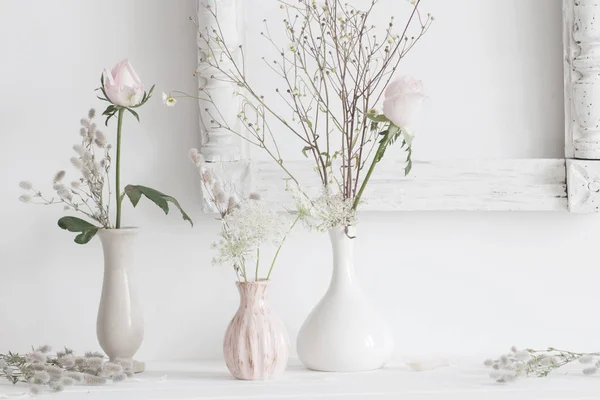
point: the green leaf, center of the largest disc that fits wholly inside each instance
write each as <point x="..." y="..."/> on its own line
<point x="378" y="118"/>
<point x="74" y="224"/>
<point x="134" y="114"/>
<point x="305" y="150"/>
<point x="135" y="192"/>
<point x="310" y="125"/>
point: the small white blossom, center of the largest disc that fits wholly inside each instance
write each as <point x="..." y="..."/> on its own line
<point x="245" y="229"/>
<point x="168" y="100"/>
<point x="196" y="157"/>
<point x="587" y="359"/>
<point x="25" y="185"/>
<point x="76" y="163"/>
<point x="25" y="198"/>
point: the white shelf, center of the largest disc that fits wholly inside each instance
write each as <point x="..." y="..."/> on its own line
<point x="211" y="380"/>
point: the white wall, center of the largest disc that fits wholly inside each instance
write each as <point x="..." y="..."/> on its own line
<point x="449" y="282"/>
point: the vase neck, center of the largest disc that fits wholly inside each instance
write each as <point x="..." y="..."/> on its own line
<point x="342" y="243"/>
<point x="118" y="246"/>
<point x="253" y="294"/>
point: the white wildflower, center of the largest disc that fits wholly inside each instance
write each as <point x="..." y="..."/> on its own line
<point x="59" y="176"/>
<point x="254" y="196"/>
<point x="67" y="381"/>
<point x="25" y="185"/>
<point x="76" y="376"/>
<point x="76" y="163"/>
<point x="522" y="355"/>
<point x="53" y="370"/>
<point x="196" y="157"/>
<point x="91" y="129"/>
<point x="112" y="368"/>
<point x="25" y="198"/>
<point x="590" y="371"/>
<point x="57" y="387"/>
<point x="58" y="186"/>
<point x="91" y="113"/>
<point x="119" y="377"/>
<point x="100" y="139"/>
<point x="65" y="194"/>
<point x="245" y="229"/>
<point x="93" y="380"/>
<point x="44" y="348"/>
<point x="75" y="184"/>
<point x="37" y="357"/>
<point x="332" y="211"/>
<point x="41" y="377"/>
<point x="67" y="361"/>
<point x="85" y="122"/>
<point x="586" y="359"/>
<point x="168" y="100"/>
<point x="79" y="149"/>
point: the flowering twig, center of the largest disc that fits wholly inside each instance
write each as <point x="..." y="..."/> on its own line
<point x="41" y="369"/>
<point x="519" y="363"/>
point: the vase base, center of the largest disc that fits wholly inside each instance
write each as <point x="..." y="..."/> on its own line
<point x="340" y="368"/>
<point x="138" y="366"/>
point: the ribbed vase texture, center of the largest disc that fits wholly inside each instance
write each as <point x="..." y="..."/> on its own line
<point x="120" y="324"/>
<point x="344" y="332"/>
<point x="256" y="345"/>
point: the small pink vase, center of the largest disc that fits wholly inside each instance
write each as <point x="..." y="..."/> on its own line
<point x="256" y="345"/>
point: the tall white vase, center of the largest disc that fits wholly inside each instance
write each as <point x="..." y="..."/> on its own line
<point x="120" y="324"/>
<point x="344" y="332"/>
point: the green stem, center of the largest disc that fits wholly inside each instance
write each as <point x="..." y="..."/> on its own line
<point x="118" y="169"/>
<point x="366" y="180"/>
<point x="279" y="248"/>
<point x="244" y="271"/>
<point x="257" y="262"/>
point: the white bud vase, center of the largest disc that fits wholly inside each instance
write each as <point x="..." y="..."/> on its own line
<point x="344" y="332"/>
<point x="256" y="345"/>
<point x="120" y="324"/>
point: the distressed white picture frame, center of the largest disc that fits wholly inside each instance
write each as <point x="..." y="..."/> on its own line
<point x="571" y="183"/>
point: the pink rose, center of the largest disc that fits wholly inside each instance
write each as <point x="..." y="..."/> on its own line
<point x="403" y="100"/>
<point x="122" y="85"/>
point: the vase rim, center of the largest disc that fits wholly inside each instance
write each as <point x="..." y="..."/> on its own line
<point x="127" y="230"/>
<point x="260" y="282"/>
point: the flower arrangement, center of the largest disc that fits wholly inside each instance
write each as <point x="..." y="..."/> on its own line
<point x="42" y="370"/>
<point x="91" y="194"/>
<point x="520" y="363"/>
<point x="332" y="74"/>
<point x="247" y="226"/>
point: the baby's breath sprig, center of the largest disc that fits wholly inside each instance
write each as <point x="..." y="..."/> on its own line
<point x="521" y="363"/>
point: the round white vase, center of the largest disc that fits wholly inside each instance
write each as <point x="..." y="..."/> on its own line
<point x="344" y="332"/>
<point x="120" y="324"/>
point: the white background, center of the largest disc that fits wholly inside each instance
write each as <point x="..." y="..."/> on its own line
<point x="449" y="283"/>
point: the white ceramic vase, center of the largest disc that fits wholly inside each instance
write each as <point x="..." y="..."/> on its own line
<point x="120" y="324"/>
<point x="344" y="332"/>
<point x="256" y="345"/>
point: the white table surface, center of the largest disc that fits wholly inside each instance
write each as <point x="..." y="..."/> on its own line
<point x="211" y="380"/>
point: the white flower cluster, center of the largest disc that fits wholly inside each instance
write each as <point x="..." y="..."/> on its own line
<point x="86" y="194"/>
<point x="517" y="363"/>
<point x="44" y="371"/>
<point x="246" y="228"/>
<point x="324" y="212"/>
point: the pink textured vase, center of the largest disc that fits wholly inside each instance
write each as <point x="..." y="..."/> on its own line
<point x="256" y="345"/>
